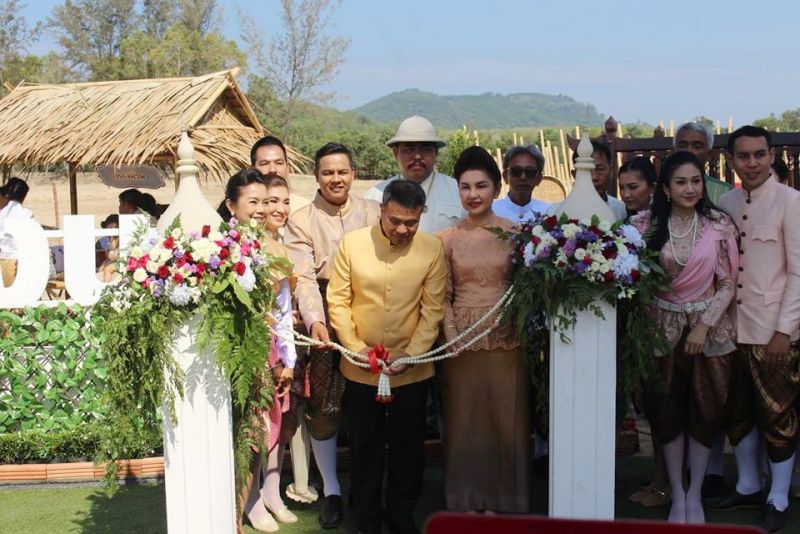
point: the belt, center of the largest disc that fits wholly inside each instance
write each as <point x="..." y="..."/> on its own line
<point x="689" y="307"/>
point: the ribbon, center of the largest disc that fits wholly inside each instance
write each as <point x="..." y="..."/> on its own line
<point x="378" y="352"/>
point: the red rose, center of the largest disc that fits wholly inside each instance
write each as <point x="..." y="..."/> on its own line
<point x="587" y="260"/>
<point x="177" y="278"/>
<point x="609" y="253"/>
<point x="609" y="276"/>
<point x="256" y="245"/>
<point x="168" y="243"/>
<point x="635" y="276"/>
<point x="132" y="264"/>
<point x="206" y="230"/>
<point x="551" y="221"/>
<point x="535" y="240"/>
<point x="223" y="253"/>
<point x="240" y="268"/>
<point x="201" y="268"/>
<point x="163" y="271"/>
<point x="188" y="257"/>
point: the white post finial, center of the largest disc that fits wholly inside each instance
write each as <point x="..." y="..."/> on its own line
<point x="189" y="202"/>
<point x="583" y="201"/>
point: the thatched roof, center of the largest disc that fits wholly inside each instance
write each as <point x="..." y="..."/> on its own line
<point x="132" y="122"/>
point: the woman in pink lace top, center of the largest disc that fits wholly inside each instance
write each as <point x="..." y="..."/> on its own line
<point x="485" y="388"/>
<point x="699" y="253"/>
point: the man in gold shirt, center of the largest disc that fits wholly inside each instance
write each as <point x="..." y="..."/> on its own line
<point x="388" y="287"/>
<point x="312" y="236"/>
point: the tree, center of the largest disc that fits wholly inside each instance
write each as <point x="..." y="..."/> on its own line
<point x="457" y="142"/>
<point x="789" y="121"/>
<point x="156" y="15"/>
<point x="201" y="16"/>
<point x="302" y="58"/>
<point x="91" y="33"/>
<point x="15" y="38"/>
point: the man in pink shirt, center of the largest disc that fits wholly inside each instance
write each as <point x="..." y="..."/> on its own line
<point x="767" y="306"/>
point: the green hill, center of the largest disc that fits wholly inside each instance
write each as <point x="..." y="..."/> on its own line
<point x="489" y="110"/>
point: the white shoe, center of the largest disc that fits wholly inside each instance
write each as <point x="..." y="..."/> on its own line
<point x="263" y="521"/>
<point x="283" y="515"/>
<point x="308" y="496"/>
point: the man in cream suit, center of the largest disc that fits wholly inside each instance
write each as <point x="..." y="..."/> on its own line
<point x="767" y="305"/>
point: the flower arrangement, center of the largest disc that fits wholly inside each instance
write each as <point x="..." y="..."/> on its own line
<point x="223" y="278"/>
<point x="562" y="266"/>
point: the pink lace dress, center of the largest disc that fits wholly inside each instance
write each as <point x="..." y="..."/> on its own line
<point x="485" y="389"/>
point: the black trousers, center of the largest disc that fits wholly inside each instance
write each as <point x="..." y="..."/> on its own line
<point x="371" y="426"/>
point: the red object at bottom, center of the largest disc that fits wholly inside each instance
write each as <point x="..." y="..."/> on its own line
<point x="447" y="523"/>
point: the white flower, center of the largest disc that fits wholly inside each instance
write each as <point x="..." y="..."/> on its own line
<point x="528" y="254"/>
<point x="580" y="253"/>
<point x="180" y="295"/>
<point x="137" y="252"/>
<point x="570" y="230"/>
<point x="177" y="232"/>
<point x="139" y="275"/>
<point x="632" y="235"/>
<point x="236" y="254"/>
<point x="247" y="280"/>
<point x="604" y="225"/>
<point x="625" y="264"/>
<point x="203" y="249"/>
<point x="153" y="266"/>
<point x="215" y="236"/>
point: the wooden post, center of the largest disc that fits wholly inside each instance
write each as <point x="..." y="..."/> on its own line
<point x="73" y="188"/>
<point x="55" y="205"/>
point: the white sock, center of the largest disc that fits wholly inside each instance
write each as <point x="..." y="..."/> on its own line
<point x="746" y="453"/>
<point x="698" y="463"/>
<point x="673" y="458"/>
<point x="715" y="466"/>
<point x="781" y="480"/>
<point x="540" y="445"/>
<point x="301" y="450"/>
<point x="325" y="455"/>
<point x="271" y="491"/>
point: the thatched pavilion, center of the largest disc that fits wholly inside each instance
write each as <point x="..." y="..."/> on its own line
<point x="130" y="122"/>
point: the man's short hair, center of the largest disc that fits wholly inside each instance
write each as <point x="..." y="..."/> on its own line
<point x="16" y="189"/>
<point x="132" y="197"/>
<point x="532" y="150"/>
<point x="268" y="140"/>
<point x="748" y="131"/>
<point x="406" y="193"/>
<point x="693" y="126"/>
<point x="334" y="148"/>
<point x="596" y="147"/>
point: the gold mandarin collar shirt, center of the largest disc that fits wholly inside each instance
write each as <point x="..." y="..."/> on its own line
<point x="381" y="293"/>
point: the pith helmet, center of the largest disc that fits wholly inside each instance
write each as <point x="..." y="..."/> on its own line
<point x="416" y="129"/>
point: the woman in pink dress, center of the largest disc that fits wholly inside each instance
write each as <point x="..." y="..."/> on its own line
<point x="485" y="388"/>
<point x="251" y="196"/>
<point x="698" y="250"/>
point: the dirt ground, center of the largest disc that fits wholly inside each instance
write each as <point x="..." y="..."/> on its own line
<point x="97" y="199"/>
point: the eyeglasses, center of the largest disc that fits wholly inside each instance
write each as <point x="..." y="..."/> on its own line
<point x="412" y="149"/>
<point x="517" y="172"/>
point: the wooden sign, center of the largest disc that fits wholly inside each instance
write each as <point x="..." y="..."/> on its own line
<point x="131" y="176"/>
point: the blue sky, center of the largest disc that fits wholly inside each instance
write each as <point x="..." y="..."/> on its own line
<point x="627" y="57"/>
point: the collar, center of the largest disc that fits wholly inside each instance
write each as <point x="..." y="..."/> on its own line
<point x="377" y="233"/>
<point x="332" y="209"/>
<point x="762" y="189"/>
<point x="526" y="207"/>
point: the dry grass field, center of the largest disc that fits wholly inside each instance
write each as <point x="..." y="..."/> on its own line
<point x="95" y="198"/>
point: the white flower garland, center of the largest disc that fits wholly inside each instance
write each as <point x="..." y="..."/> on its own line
<point x="384" y="385"/>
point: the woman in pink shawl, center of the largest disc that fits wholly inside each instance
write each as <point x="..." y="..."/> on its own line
<point x="698" y="250"/>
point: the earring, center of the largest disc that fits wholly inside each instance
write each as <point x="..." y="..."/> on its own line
<point x="669" y="198"/>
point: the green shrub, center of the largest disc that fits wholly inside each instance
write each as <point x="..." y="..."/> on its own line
<point x="80" y="444"/>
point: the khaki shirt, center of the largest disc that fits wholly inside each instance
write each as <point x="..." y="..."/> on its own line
<point x="312" y="237"/>
<point x="380" y="293"/>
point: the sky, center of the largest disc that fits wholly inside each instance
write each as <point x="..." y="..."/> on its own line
<point x="636" y="60"/>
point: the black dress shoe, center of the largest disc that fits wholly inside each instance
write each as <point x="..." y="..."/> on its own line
<point x="773" y="519"/>
<point x="330" y="512"/>
<point x="713" y="487"/>
<point x="736" y="500"/>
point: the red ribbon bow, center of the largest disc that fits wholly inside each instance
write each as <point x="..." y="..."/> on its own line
<point x="378" y="352"/>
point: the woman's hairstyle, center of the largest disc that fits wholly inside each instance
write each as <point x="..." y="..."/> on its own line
<point x="662" y="206"/>
<point x="643" y="166"/>
<point x="234" y="188"/>
<point x="273" y="180"/>
<point x="16" y="189"/>
<point x="476" y="158"/>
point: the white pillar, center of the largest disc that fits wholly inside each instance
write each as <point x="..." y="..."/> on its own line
<point x="583" y="384"/>
<point x="198" y="449"/>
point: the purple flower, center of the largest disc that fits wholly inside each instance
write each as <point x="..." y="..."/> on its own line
<point x="233" y="222"/>
<point x="214" y="262"/>
<point x="545" y="252"/>
<point x="589" y="237"/>
<point x="569" y="247"/>
<point x="178" y="253"/>
<point x="580" y="267"/>
<point x="234" y="234"/>
<point x="194" y="235"/>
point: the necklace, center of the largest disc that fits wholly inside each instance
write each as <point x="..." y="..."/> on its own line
<point x="692" y="230"/>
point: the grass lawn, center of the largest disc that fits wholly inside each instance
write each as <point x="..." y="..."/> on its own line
<point x="141" y="509"/>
